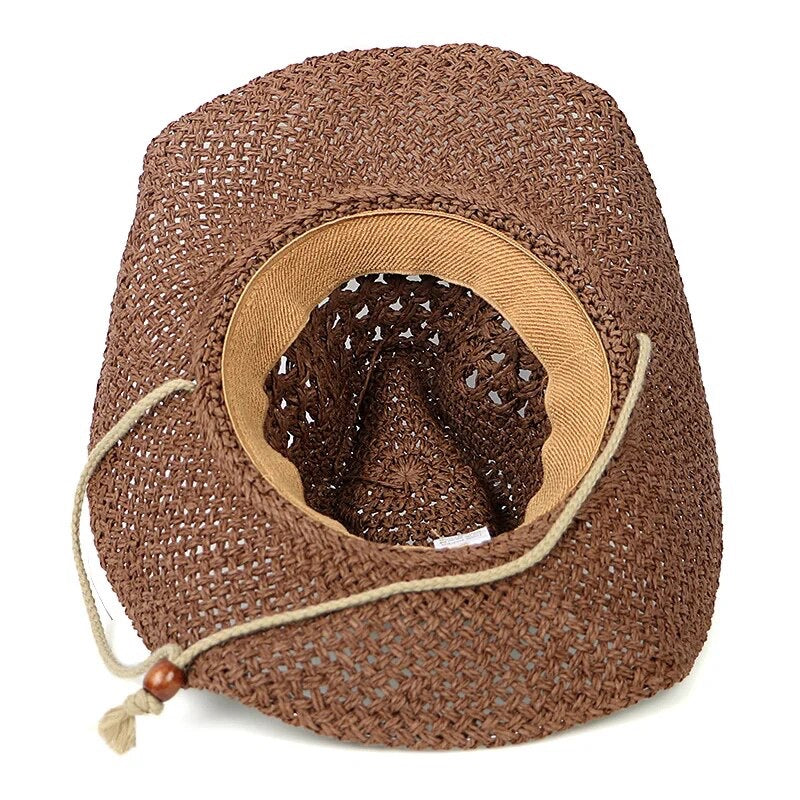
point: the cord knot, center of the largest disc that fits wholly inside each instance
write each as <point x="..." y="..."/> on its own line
<point x="142" y="702"/>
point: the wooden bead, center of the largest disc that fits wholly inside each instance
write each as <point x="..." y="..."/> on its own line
<point x="164" y="679"/>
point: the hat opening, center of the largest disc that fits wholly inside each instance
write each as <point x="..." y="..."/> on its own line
<point x="404" y="376"/>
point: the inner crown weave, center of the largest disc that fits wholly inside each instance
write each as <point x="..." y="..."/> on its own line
<point x="404" y="404"/>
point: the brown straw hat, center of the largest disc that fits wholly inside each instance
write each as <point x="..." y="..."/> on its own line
<point x="400" y="434"/>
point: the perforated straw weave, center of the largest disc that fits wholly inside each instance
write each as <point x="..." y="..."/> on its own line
<point x="410" y="408"/>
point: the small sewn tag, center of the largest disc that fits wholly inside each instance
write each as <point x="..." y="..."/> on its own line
<point x="472" y="538"/>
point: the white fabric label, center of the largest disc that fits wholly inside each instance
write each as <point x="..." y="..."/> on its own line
<point x="478" y="536"/>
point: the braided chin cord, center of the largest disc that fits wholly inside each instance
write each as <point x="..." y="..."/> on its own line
<point x="166" y="666"/>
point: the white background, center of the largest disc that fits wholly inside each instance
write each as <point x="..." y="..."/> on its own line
<point x="711" y="93"/>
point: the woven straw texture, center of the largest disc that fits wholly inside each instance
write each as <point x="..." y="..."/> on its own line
<point x="194" y="540"/>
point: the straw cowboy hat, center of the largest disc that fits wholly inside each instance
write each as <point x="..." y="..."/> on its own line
<point x="400" y="434"/>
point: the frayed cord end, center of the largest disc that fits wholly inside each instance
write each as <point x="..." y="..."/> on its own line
<point x="118" y="725"/>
